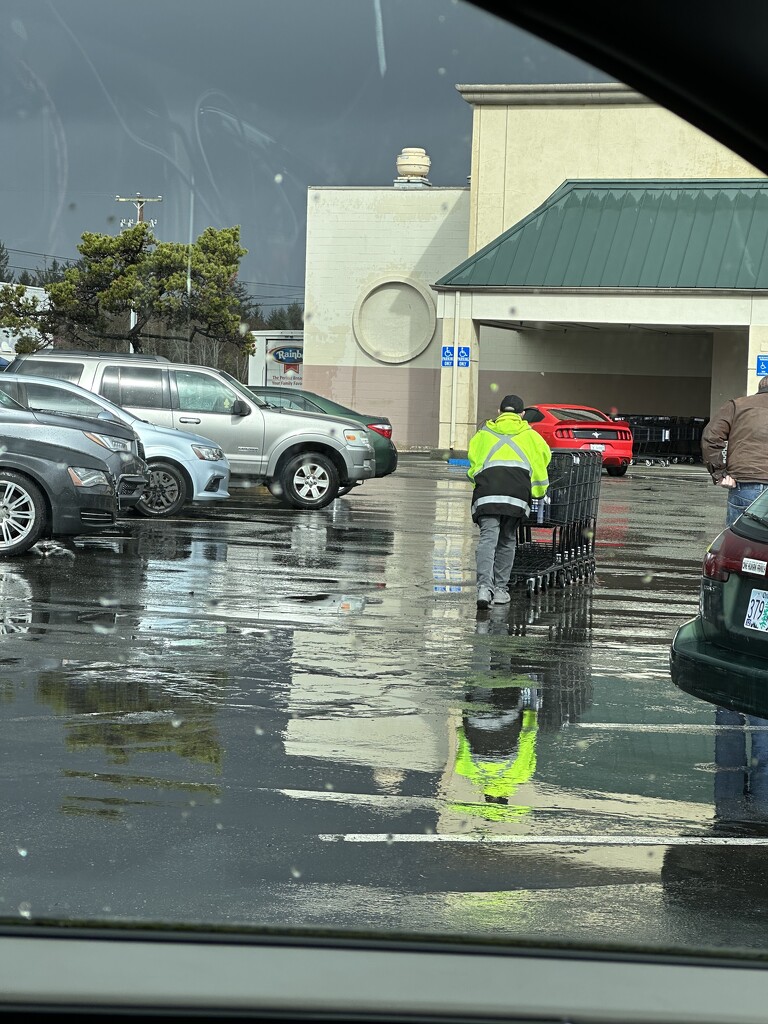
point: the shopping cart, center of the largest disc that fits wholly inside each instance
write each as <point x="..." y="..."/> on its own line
<point x="663" y="440"/>
<point x="556" y="542"/>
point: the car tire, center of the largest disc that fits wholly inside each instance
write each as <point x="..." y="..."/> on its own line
<point x="166" y="492"/>
<point x="309" y="480"/>
<point x="616" y="470"/>
<point x="23" y="513"/>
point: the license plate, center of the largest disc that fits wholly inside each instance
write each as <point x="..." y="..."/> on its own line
<point x="597" y="447"/>
<point x="757" y="612"/>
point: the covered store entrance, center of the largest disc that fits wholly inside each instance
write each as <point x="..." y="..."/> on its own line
<point x="637" y="297"/>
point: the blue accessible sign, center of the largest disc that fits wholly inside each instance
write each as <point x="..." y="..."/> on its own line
<point x="762" y="366"/>
<point x="464" y="356"/>
<point x="447" y="356"/>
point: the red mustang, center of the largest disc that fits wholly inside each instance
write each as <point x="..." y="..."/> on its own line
<point x="579" y="426"/>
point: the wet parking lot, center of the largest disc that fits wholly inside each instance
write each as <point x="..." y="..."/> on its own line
<point x="254" y="716"/>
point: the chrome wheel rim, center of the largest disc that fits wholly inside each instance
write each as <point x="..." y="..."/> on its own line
<point x="17" y="514"/>
<point x="161" y="492"/>
<point x="311" y="481"/>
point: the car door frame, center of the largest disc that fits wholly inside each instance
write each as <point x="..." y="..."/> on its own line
<point x="244" y="460"/>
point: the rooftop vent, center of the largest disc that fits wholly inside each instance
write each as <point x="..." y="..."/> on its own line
<point x="412" y="169"/>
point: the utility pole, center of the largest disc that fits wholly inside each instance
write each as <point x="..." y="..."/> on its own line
<point x="138" y="201"/>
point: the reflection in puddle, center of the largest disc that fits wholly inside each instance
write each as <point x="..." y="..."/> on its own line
<point x="521" y="681"/>
<point x="15" y="603"/>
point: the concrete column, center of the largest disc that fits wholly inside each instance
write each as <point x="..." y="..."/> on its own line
<point x="732" y="363"/>
<point x="458" y="411"/>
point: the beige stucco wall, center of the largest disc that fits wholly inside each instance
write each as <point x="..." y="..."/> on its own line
<point x="526" y="141"/>
<point x="372" y="255"/>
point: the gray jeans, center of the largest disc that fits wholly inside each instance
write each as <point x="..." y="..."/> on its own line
<point x="496" y="550"/>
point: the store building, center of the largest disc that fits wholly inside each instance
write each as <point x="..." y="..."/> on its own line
<point x="605" y="253"/>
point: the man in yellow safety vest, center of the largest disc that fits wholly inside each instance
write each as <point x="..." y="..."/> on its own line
<point x="508" y="466"/>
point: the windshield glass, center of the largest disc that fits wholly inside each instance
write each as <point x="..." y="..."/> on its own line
<point x="238" y="386"/>
<point x="446" y="682"/>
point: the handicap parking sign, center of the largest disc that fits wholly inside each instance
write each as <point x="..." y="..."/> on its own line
<point x="447" y="355"/>
<point x="762" y="366"/>
<point x="464" y="356"/>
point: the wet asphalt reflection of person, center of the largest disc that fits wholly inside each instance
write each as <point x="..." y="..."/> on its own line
<point x="725" y="883"/>
<point x="496" y="741"/>
<point x="741" y="760"/>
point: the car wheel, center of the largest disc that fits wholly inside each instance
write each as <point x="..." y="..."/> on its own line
<point x="166" y="492"/>
<point x="22" y="513"/>
<point x="309" y="480"/>
<point x="616" y="470"/>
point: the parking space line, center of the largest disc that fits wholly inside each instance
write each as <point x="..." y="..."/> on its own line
<point x="565" y="840"/>
<point x="667" y="727"/>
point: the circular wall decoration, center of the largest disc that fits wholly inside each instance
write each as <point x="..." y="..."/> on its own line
<point x="395" y="320"/>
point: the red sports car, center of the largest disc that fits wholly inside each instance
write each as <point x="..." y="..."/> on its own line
<point x="579" y="426"/>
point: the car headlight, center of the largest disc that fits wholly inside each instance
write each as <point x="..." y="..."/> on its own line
<point x="207" y="453"/>
<point x="114" y="444"/>
<point x="82" y="477"/>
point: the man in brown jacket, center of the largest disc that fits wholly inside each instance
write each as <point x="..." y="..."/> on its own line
<point x="735" y="449"/>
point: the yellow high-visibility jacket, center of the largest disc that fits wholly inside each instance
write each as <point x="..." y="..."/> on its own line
<point x="499" y="778"/>
<point x="508" y="464"/>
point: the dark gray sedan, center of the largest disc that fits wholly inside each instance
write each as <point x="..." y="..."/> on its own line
<point x="106" y="439"/>
<point x="48" y="490"/>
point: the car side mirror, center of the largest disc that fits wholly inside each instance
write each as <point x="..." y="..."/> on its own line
<point x="240" y="408"/>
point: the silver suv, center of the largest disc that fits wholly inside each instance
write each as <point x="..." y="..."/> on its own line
<point x="304" y="458"/>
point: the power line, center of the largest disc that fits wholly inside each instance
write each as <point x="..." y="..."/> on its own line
<point x="275" y="284"/>
<point x="284" y="299"/>
<point x="45" y="255"/>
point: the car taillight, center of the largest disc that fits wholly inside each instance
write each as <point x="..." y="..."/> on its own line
<point x="725" y="555"/>
<point x="385" y="429"/>
<point x="563" y="432"/>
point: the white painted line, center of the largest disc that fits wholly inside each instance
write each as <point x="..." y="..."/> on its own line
<point x="650" y="727"/>
<point x="491" y="840"/>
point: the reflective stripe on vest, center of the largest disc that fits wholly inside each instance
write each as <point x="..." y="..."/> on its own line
<point x="502" y="499"/>
<point x="504" y="439"/>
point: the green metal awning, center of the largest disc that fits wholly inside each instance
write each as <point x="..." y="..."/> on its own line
<point x="690" y="233"/>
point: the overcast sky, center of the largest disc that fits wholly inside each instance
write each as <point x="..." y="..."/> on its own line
<point x="229" y="109"/>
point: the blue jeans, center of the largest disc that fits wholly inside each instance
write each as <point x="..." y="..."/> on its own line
<point x="739" y="498"/>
